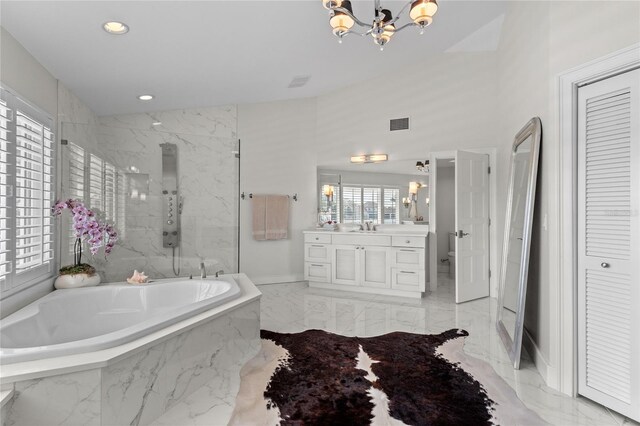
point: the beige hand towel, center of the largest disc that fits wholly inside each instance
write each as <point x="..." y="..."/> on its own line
<point x="277" y="217"/>
<point x="258" y="207"/>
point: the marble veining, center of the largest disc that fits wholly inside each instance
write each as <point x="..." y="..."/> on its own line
<point x="208" y="182"/>
<point x="294" y="307"/>
<point x="141" y="387"/>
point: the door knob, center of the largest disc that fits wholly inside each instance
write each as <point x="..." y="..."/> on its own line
<point x="605" y="265"/>
<point x="462" y="234"/>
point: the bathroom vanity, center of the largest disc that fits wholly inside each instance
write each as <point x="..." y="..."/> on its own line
<point x="392" y="263"/>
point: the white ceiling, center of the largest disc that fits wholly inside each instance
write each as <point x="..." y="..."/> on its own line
<point x="204" y="53"/>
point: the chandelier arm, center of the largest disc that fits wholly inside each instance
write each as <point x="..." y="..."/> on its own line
<point x="356" y="20"/>
<point x="342" y="34"/>
<point x="410" y="24"/>
<point x="401" y="11"/>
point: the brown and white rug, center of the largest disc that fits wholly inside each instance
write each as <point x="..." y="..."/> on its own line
<point x="320" y="378"/>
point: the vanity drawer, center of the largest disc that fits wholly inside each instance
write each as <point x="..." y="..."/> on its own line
<point x="407" y="280"/>
<point x="317" y="252"/>
<point x="321" y="238"/>
<point x="362" y="240"/>
<point x="408" y="257"/>
<point x="411" y="241"/>
<point x="317" y="272"/>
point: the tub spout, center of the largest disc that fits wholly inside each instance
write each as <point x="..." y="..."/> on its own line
<point x="203" y="270"/>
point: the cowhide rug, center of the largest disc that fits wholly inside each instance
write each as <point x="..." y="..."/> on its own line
<point x="320" y="378"/>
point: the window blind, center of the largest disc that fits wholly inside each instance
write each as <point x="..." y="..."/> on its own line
<point x="96" y="180"/>
<point x="352" y="200"/>
<point x="371" y="204"/>
<point x="26" y="193"/>
<point x="391" y="205"/>
<point x="5" y="194"/>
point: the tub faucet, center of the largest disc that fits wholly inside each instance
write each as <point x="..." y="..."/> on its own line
<point x="219" y="272"/>
<point x="203" y="270"/>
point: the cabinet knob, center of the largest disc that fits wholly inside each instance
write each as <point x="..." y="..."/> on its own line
<point x="407" y="241"/>
<point x="605" y="265"/>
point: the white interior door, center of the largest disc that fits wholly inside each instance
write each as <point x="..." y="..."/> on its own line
<point x="609" y="242"/>
<point x="472" y="225"/>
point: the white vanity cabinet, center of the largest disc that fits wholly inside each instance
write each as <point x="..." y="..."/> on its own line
<point x="367" y="262"/>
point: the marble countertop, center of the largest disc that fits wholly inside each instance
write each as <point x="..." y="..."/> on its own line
<point x="423" y="231"/>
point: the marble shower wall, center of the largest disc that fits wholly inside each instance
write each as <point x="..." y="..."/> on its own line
<point x="208" y="182"/>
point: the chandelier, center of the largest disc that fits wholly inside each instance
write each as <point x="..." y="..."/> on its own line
<point x="383" y="27"/>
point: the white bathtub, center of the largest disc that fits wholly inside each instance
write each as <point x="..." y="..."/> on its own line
<point x="74" y="321"/>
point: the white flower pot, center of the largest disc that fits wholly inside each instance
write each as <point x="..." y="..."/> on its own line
<point x="77" y="280"/>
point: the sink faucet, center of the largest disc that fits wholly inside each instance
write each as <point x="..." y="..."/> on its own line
<point x="219" y="272"/>
<point x="203" y="271"/>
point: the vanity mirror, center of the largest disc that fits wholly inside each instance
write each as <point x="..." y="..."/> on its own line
<point x="517" y="238"/>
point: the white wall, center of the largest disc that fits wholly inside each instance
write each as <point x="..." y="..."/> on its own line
<point x="277" y="156"/>
<point x="22" y="73"/>
<point x="445" y="205"/>
<point x="541" y="40"/>
<point x="451" y="99"/>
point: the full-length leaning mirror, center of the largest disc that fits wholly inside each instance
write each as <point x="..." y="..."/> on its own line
<point x="517" y="237"/>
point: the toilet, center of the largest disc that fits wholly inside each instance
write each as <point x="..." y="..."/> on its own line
<point x="452" y="254"/>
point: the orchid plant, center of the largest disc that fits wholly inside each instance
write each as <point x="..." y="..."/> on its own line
<point x="87" y="227"/>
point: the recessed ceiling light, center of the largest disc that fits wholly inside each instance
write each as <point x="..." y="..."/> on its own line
<point x="156" y="123"/>
<point x="145" y="97"/>
<point x="115" y="27"/>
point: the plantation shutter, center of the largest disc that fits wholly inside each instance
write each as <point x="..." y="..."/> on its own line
<point x="96" y="181"/>
<point x="6" y="223"/>
<point x="371" y="204"/>
<point x="26" y="193"/>
<point x="391" y="207"/>
<point x="352" y="199"/>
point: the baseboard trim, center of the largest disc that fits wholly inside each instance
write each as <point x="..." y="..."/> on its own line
<point x="548" y="372"/>
<point x="275" y="279"/>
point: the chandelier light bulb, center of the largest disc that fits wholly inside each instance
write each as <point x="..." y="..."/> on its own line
<point x="382" y="28"/>
<point x="422" y="11"/>
<point x="340" y="21"/>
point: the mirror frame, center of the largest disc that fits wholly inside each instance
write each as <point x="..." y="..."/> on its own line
<point x="514" y="346"/>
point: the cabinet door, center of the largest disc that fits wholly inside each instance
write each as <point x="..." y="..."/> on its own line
<point x="408" y="280"/>
<point x="317" y="253"/>
<point x="408" y="258"/>
<point x="345" y="265"/>
<point x="374" y="267"/>
<point x="317" y="272"/>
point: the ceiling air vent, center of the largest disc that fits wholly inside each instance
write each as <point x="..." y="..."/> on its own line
<point x="399" y="124"/>
<point x="299" y="81"/>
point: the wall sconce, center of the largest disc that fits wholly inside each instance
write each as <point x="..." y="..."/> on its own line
<point x="369" y="158"/>
<point x="327" y="190"/>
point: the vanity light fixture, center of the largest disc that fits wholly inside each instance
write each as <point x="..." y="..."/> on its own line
<point x="383" y="26"/>
<point x="369" y="158"/>
<point x="115" y="27"/>
<point x="327" y="190"/>
<point x="423" y="167"/>
<point x="145" y="97"/>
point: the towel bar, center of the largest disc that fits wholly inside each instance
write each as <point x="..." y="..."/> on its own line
<point x="250" y="195"/>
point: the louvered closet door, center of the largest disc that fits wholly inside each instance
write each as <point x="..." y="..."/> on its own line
<point x="609" y="242"/>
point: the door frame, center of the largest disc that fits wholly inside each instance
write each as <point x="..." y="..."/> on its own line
<point x="563" y="302"/>
<point x="433" y="225"/>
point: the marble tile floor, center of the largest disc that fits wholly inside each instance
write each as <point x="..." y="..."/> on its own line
<point x="294" y="307"/>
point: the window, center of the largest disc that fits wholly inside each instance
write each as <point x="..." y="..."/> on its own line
<point x="91" y="178"/>
<point x="27" y="161"/>
<point x="370" y="204"/>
